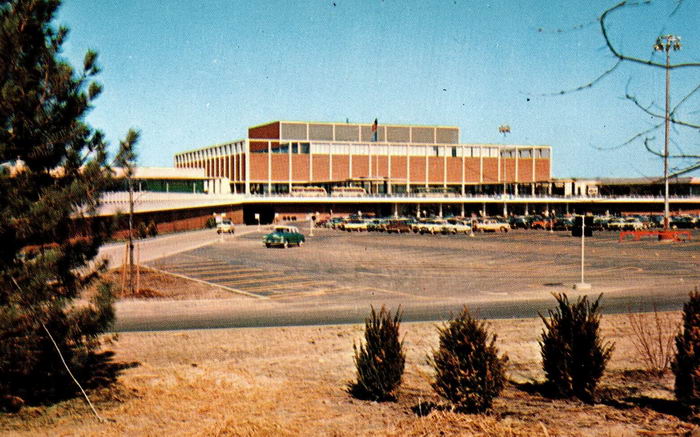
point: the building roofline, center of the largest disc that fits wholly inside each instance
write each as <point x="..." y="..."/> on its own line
<point x="353" y="124"/>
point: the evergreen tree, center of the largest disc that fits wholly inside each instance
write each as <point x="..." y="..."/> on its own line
<point x="686" y="364"/>
<point x="574" y="354"/>
<point x="54" y="169"/>
<point x="468" y="371"/>
<point x="380" y="361"/>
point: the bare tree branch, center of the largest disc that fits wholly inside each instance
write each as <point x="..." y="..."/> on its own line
<point x="632" y="139"/>
<point x="586" y="86"/>
<point x="649" y="149"/>
<point x="686" y="170"/>
<point x="622" y="57"/>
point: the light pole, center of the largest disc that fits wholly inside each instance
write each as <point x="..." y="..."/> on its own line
<point x="665" y="43"/>
<point x="583" y="285"/>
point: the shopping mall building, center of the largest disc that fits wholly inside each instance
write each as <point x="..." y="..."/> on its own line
<point x="382" y="159"/>
<point x="293" y="169"/>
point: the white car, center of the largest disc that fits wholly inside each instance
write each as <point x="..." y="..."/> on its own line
<point x="225" y="226"/>
<point x="491" y="225"/>
<point x="431" y="226"/>
<point x="457" y="227"/>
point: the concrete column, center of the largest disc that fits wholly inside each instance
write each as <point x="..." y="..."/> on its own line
<point x="463" y="176"/>
<point x="269" y="166"/>
<point x="247" y="166"/>
<point x="408" y="169"/>
<point x="440" y="210"/>
<point x="289" y="167"/>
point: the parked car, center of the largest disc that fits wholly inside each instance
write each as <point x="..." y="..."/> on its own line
<point x="683" y="222"/>
<point x="616" y="224"/>
<point x="491" y="225"/>
<point x="376" y="225"/>
<point x="431" y="226"/>
<point x="225" y="226"/>
<point x="456" y="226"/>
<point x="398" y="226"/>
<point x="541" y="223"/>
<point x="563" y="224"/>
<point x="519" y="222"/>
<point x="355" y="225"/>
<point x="284" y="236"/>
<point x="633" y="224"/>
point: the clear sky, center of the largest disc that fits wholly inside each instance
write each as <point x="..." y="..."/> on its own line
<point x="191" y="74"/>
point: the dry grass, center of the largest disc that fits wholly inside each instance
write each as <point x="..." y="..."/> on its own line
<point x="155" y="284"/>
<point x="292" y="381"/>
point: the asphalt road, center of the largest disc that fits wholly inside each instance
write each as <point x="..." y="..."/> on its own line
<point x="336" y="276"/>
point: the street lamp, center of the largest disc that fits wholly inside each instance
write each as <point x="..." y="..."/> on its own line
<point x="665" y="43"/>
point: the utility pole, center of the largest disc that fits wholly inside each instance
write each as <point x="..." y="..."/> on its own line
<point x="130" y="181"/>
<point x="583" y="285"/>
<point x="665" y="43"/>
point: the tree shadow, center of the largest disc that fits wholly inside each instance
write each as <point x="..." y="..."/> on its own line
<point x="544" y="389"/>
<point x="103" y="370"/>
<point x="99" y="371"/>
<point x="621" y="399"/>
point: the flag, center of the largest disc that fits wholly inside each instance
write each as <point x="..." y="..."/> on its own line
<point x="374" y="131"/>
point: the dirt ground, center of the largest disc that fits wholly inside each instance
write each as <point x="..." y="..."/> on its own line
<point x="293" y="381"/>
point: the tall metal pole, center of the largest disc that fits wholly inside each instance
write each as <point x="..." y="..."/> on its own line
<point x="667" y="126"/>
<point x="665" y="43"/>
<point x="583" y="285"/>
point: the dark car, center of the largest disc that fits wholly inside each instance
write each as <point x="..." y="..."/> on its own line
<point x="519" y="222"/>
<point x="284" y="236"/>
<point x="563" y="224"/>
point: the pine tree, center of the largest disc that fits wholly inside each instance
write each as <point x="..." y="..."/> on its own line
<point x="54" y="169"/>
<point x="574" y="354"/>
<point x="468" y="370"/>
<point x="686" y="364"/>
<point x="380" y="361"/>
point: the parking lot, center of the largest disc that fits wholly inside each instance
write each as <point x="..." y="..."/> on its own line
<point x="434" y="274"/>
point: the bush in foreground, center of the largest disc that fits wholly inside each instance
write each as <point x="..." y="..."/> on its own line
<point x="686" y="364"/>
<point x="468" y="371"/>
<point x="380" y="361"/>
<point x="573" y="354"/>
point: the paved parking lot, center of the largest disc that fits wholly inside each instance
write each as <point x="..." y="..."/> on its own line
<point x="337" y="269"/>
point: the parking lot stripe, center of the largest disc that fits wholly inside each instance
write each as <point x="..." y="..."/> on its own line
<point x="288" y="286"/>
<point x="229" y="273"/>
<point x="313" y="292"/>
<point x="199" y="264"/>
<point x="233" y="290"/>
<point x="276" y="278"/>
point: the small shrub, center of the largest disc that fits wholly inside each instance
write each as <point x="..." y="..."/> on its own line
<point x="468" y="371"/>
<point x="380" y="361"/>
<point x="152" y="229"/>
<point x="141" y="230"/>
<point x="654" y="339"/>
<point x="573" y="354"/>
<point x="686" y="365"/>
<point x="210" y="223"/>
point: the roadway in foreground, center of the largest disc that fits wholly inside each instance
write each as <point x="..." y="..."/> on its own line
<point x="336" y="276"/>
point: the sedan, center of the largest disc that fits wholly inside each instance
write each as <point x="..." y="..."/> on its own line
<point x="284" y="236"/>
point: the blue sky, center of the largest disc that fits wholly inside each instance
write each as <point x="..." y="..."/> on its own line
<point x="190" y="74"/>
